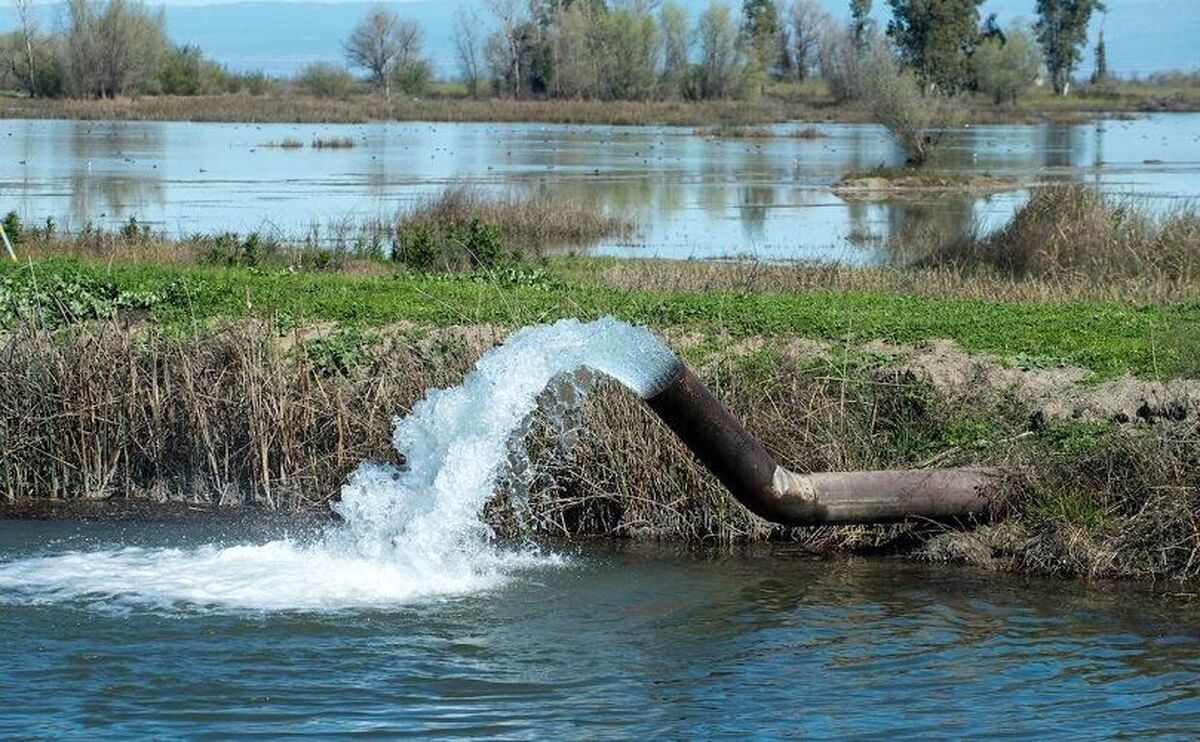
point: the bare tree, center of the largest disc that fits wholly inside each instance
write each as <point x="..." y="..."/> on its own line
<point x="467" y="49"/>
<point x="505" y="46"/>
<point x="113" y="48"/>
<point x="28" y="30"/>
<point x="809" y="25"/>
<point x="381" y="43"/>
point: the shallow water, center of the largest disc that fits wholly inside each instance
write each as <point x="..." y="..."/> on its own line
<point x="604" y="643"/>
<point x="692" y="197"/>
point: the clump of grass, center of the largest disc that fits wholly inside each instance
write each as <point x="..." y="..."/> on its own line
<point x="285" y="143"/>
<point x="1068" y="231"/>
<point x="730" y="131"/>
<point x="526" y="223"/>
<point x="808" y="132"/>
<point x="334" y="143"/>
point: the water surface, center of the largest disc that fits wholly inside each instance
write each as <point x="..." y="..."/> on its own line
<point x="691" y="196"/>
<point x="608" y="643"/>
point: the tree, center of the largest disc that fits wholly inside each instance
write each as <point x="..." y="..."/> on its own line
<point x="28" y="31"/>
<point x="1100" y="73"/>
<point x="937" y="37"/>
<point x="381" y="43"/>
<point x="760" y="32"/>
<point x="1006" y="64"/>
<point x="809" y="25"/>
<point x="893" y="96"/>
<point x="842" y="58"/>
<point x="466" y="48"/>
<point x="507" y="48"/>
<point x="113" y="48"/>
<point x="676" y="47"/>
<point x="627" y="42"/>
<point x="860" y="20"/>
<point x="719" y="68"/>
<point x="1062" y="31"/>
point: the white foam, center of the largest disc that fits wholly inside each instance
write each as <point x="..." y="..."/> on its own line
<point x="407" y="534"/>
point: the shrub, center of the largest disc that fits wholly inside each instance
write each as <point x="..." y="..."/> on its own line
<point x="12" y="227"/>
<point x="412" y="77"/>
<point x="231" y="250"/>
<point x="1072" y="229"/>
<point x="324" y="80"/>
<point x="417" y="246"/>
<point x="1006" y="66"/>
<point x="185" y="71"/>
<point x="895" y="99"/>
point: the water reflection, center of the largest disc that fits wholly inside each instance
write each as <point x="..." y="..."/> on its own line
<point x="691" y="196"/>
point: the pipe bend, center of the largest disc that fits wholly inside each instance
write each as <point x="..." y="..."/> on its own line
<point x="723" y="445"/>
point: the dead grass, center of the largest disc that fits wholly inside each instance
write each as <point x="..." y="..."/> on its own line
<point x="334" y="143"/>
<point x="245" y="415"/>
<point x="1070" y="233"/>
<point x="526" y="221"/>
<point x="285" y="143"/>
<point x="940" y="281"/>
<point x="727" y="131"/>
<point x="298" y="108"/>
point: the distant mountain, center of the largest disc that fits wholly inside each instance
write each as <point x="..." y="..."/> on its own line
<point x="1143" y="36"/>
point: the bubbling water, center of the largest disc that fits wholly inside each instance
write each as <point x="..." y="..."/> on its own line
<point x="407" y="532"/>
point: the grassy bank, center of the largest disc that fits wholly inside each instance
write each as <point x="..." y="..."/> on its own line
<point x="1107" y="338"/>
<point x="214" y="370"/>
<point x="247" y="413"/>
<point x="780" y="102"/>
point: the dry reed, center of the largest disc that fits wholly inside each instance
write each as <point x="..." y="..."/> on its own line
<point x="241" y="415"/>
<point x="525" y="221"/>
<point x="1069" y="232"/>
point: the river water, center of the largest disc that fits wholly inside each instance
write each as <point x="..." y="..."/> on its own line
<point x="691" y="196"/>
<point x="605" y="643"/>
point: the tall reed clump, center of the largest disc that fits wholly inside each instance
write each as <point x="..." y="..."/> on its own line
<point x="237" y="415"/>
<point x="463" y="225"/>
<point x="1073" y="232"/>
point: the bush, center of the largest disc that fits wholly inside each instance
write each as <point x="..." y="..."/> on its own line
<point x="47" y="79"/>
<point x="184" y="71"/>
<point x="412" y="78"/>
<point x="893" y="95"/>
<point x="450" y="245"/>
<point x="134" y="231"/>
<point x="417" y="246"/>
<point x="231" y="250"/>
<point x="323" y="80"/>
<point x="1006" y="66"/>
<point x="252" y="83"/>
<point x="1072" y="229"/>
<point x="12" y="227"/>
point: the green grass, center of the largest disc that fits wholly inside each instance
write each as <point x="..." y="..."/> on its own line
<point x="1108" y="338"/>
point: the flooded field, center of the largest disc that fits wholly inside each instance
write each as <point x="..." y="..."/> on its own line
<point x="691" y="196"/>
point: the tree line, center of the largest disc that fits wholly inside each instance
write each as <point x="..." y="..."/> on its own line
<point x="591" y="49"/>
<point x="638" y="49"/>
<point x="109" y="48"/>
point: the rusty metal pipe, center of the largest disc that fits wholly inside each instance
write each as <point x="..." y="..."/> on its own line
<point x="740" y="462"/>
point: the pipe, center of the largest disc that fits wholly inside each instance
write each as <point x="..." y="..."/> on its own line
<point x="740" y="462"/>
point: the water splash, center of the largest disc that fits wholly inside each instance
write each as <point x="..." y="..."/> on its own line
<point x="406" y="533"/>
